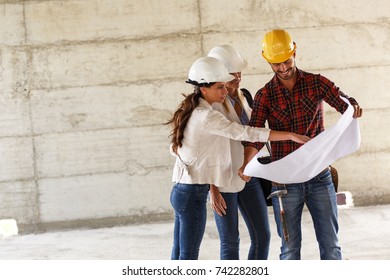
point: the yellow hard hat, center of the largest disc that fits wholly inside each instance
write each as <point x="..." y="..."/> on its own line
<point x="277" y="46"/>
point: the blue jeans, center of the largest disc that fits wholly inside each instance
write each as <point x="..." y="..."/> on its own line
<point x="189" y="202"/>
<point x="253" y="208"/>
<point x="320" y="197"/>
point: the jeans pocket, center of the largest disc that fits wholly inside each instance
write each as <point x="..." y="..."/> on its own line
<point x="179" y="200"/>
<point x="324" y="177"/>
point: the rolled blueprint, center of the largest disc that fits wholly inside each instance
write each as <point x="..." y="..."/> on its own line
<point x="333" y="143"/>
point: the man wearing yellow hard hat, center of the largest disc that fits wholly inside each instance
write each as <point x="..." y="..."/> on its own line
<point x="293" y="101"/>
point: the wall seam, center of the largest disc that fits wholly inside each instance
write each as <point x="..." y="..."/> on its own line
<point x="200" y="27"/>
<point x="28" y="51"/>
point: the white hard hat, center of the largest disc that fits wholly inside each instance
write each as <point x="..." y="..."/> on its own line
<point x="208" y="70"/>
<point x="229" y="56"/>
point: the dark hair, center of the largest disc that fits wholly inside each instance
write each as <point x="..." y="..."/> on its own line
<point x="182" y="115"/>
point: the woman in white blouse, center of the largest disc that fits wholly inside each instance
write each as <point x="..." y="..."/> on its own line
<point x="248" y="197"/>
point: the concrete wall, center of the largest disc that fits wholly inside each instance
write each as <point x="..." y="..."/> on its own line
<point x="86" y="85"/>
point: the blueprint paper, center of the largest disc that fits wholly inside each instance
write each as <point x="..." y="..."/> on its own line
<point x="309" y="160"/>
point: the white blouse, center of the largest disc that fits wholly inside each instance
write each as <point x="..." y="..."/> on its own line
<point x="205" y="156"/>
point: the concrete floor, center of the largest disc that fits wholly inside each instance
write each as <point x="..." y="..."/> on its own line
<point x="364" y="235"/>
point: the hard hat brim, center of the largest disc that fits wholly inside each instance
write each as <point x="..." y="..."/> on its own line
<point x="280" y="58"/>
<point x="226" y="78"/>
<point x="223" y="79"/>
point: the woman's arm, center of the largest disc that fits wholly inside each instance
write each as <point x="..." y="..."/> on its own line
<point x="284" y="135"/>
<point x="218" y="204"/>
<point x="249" y="153"/>
<point x="216" y="123"/>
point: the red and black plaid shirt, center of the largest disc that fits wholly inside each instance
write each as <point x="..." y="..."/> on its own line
<point x="300" y="112"/>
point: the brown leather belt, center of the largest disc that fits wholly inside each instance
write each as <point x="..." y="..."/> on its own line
<point x="274" y="184"/>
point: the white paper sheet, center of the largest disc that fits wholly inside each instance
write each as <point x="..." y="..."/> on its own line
<point x="340" y="140"/>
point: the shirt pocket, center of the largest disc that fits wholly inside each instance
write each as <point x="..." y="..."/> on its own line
<point x="309" y="104"/>
<point x="280" y="113"/>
